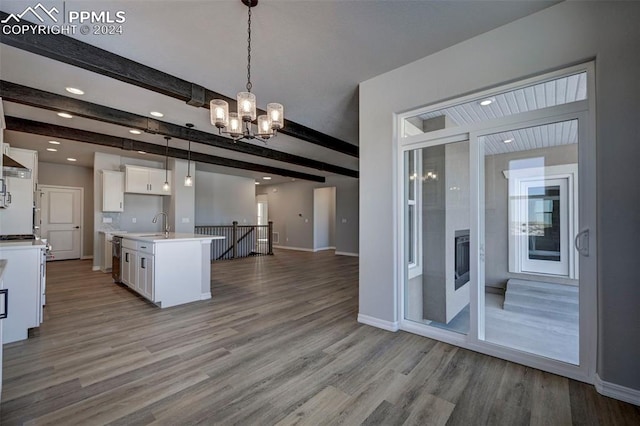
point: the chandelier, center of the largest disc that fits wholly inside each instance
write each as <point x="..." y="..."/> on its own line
<point x="238" y="125"/>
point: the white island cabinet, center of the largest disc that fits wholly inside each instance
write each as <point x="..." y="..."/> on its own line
<point x="168" y="271"/>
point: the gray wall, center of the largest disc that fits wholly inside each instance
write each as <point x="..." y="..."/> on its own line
<point x="497" y="210"/>
<point x="291" y="211"/>
<point x="76" y="176"/>
<point x="561" y="35"/>
<point x="221" y="199"/>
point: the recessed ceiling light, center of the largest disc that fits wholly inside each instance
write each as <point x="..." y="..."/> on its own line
<point x="156" y="114"/>
<point x="51" y="149"/>
<point x="65" y="115"/>
<point x="75" y="91"/>
<point x="486" y="102"/>
<point x="71" y="159"/>
<point x="141" y="152"/>
<point x="266" y="177"/>
<point x="54" y="142"/>
<point x="507" y="140"/>
<point x="257" y="183"/>
<point x="135" y="132"/>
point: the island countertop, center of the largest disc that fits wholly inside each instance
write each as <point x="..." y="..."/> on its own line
<point x="158" y="237"/>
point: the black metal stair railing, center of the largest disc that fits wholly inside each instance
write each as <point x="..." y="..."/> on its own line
<point x="239" y="241"/>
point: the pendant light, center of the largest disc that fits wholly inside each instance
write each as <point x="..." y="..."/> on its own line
<point x="238" y="124"/>
<point x="166" y="186"/>
<point x="188" y="180"/>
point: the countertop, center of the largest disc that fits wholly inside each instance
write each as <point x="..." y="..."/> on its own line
<point x="158" y="237"/>
<point x="23" y="244"/>
<point x="111" y="231"/>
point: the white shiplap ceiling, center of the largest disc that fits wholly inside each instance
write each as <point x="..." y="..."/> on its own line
<point x="558" y="91"/>
<point x="537" y="137"/>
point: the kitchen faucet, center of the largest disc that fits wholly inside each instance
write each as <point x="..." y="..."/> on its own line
<point x="166" y="223"/>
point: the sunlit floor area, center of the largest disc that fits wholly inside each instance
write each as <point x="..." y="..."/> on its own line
<point x="545" y="335"/>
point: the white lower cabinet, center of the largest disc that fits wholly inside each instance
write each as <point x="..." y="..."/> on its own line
<point x="168" y="271"/>
<point x="144" y="278"/>
<point x="138" y="267"/>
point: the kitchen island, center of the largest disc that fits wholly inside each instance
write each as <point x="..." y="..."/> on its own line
<point x="167" y="270"/>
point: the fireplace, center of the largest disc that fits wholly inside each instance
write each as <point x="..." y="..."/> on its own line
<point x="461" y="258"/>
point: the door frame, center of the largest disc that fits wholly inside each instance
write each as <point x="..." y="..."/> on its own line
<point x="41" y="187"/>
<point x="585" y="112"/>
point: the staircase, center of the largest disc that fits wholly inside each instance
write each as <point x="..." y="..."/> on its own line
<point x="552" y="301"/>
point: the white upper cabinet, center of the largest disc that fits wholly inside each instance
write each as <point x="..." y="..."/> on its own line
<point x="112" y="191"/>
<point x="145" y="180"/>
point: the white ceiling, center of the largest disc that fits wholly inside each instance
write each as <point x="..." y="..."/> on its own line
<point x="308" y="55"/>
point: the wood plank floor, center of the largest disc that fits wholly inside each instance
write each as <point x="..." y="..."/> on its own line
<point x="277" y="344"/>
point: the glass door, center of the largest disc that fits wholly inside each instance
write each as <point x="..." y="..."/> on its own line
<point x="529" y="278"/>
<point x="437" y="236"/>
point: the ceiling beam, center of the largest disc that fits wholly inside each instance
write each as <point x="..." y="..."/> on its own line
<point x="52" y="130"/>
<point x="51" y="101"/>
<point x="83" y="55"/>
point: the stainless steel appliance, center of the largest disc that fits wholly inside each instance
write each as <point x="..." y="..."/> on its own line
<point x="116" y="252"/>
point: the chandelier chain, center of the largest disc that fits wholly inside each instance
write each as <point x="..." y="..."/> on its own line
<point x="249" y="85"/>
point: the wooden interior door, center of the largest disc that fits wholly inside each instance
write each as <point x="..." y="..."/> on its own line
<point x="61" y="217"/>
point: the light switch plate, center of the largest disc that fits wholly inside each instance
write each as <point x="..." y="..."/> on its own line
<point x="185" y="220"/>
<point x="107" y="220"/>
<point x="134" y="220"/>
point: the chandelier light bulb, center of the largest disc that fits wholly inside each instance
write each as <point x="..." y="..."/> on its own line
<point x="165" y="187"/>
<point x="188" y="181"/>
<point x="219" y="113"/>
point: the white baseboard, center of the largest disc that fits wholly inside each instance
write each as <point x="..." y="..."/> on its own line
<point x="324" y="248"/>
<point x="95" y="268"/>
<point x="86" y="257"/>
<point x="632" y="396"/>
<point x="346" y="253"/>
<point x="376" y="322"/>
<point x="205" y="296"/>
<point x="293" y="248"/>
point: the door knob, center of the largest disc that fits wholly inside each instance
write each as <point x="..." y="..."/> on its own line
<point x="77" y="227"/>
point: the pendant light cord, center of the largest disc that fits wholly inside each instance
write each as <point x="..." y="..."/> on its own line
<point x="249" y="85"/>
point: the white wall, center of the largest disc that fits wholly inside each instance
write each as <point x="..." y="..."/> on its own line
<point x="561" y="35"/>
<point x="221" y="199"/>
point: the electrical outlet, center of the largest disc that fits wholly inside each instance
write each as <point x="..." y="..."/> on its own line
<point x="107" y="220"/>
<point x="344" y="220"/>
<point x="185" y="220"/>
<point x="134" y="220"/>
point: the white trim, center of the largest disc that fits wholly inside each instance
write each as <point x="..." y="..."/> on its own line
<point x="323" y="248"/>
<point x="584" y="111"/>
<point x="378" y="323"/>
<point x="346" y="253"/>
<point x="40" y="187"/>
<point x="621" y="393"/>
<point x="205" y="296"/>
<point x="95" y="268"/>
<point x="293" y="248"/>
<point x="86" y="257"/>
